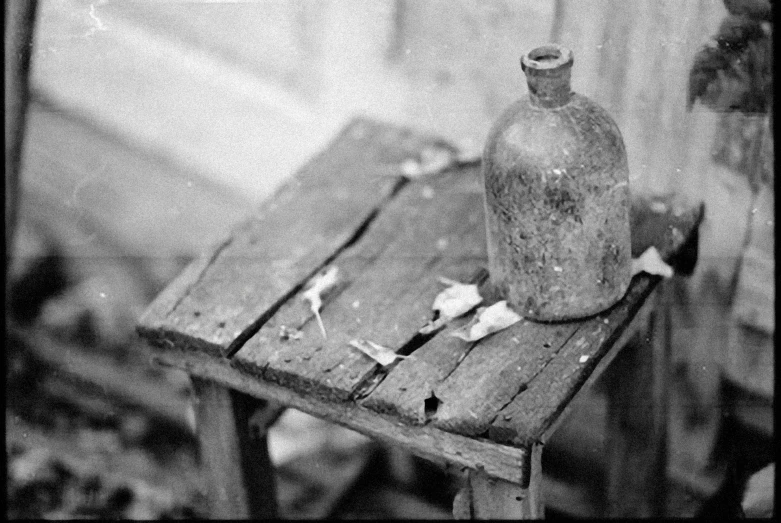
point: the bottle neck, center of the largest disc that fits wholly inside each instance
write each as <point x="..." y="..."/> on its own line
<point x="548" y="72"/>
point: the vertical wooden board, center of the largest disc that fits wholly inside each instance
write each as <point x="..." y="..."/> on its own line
<point x="293" y="234"/>
<point x="390" y="299"/>
<point x="148" y="207"/>
<point x="636" y="419"/>
<point x="461" y="59"/>
<point x="266" y="37"/>
<point x="634" y="58"/>
<point x="494" y="372"/>
<point x="240" y="478"/>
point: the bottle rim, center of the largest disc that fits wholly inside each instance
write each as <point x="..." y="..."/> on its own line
<point x="547" y="58"/>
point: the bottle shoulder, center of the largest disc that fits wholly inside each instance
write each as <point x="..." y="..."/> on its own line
<point x="581" y="122"/>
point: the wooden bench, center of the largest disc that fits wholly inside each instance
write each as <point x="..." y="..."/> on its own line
<point x="484" y="409"/>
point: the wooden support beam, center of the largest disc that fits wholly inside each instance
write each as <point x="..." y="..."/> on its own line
<point x="235" y="457"/>
<point x="636" y="430"/>
<point x="484" y="497"/>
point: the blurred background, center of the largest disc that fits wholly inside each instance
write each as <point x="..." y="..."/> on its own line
<point x="154" y="126"/>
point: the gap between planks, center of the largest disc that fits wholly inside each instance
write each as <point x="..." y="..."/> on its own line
<point x="253" y="329"/>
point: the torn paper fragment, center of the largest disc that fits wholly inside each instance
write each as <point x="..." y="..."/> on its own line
<point x="658" y="207"/>
<point x="317" y="286"/>
<point x="487" y="321"/>
<point x="288" y="333"/>
<point x="456" y="300"/>
<point x="433" y="160"/>
<point x="382" y="355"/>
<point x="651" y="262"/>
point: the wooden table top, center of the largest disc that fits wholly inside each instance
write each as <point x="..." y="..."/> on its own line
<point x="392" y="239"/>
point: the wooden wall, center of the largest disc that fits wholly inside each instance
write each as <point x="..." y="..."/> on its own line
<point x="243" y="92"/>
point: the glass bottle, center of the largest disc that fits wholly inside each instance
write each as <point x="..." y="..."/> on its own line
<point x="556" y="198"/>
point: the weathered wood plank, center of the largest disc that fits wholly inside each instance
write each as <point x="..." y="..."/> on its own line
<point x="484" y="497"/>
<point x="494" y="372"/>
<point x="407" y="391"/>
<point x="531" y="412"/>
<point x="413" y="388"/>
<point x="221" y="298"/>
<point x="421" y="235"/>
<point x="499" y="461"/>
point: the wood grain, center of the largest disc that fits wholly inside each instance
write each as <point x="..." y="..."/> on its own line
<point x="415" y="240"/>
<point x="240" y="477"/>
<point x="535" y="409"/>
<point x="494" y="372"/>
<point x="499" y="461"/>
<point x="407" y="391"/>
<point x="526" y="418"/>
<point x="484" y="497"/>
<point x="224" y="296"/>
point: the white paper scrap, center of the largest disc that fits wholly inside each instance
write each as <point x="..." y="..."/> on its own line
<point x="382" y="355"/>
<point x="433" y="160"/>
<point x="456" y="300"/>
<point x="487" y="321"/>
<point x="651" y="262"/>
<point x="317" y="286"/>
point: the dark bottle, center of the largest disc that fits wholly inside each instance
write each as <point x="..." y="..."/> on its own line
<point x="556" y="198"/>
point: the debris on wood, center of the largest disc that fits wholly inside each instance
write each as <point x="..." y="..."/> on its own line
<point x="434" y="159"/>
<point x="487" y="321"/>
<point x="288" y="333"/>
<point x="382" y="355"/>
<point x="456" y="300"/>
<point x="758" y="497"/>
<point x="651" y="262"/>
<point x="321" y="283"/>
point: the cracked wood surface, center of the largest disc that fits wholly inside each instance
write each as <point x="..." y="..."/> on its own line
<point x="391" y="242"/>
<point x="219" y="299"/>
<point x="390" y="282"/>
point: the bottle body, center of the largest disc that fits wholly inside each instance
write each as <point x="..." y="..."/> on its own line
<point x="557" y="208"/>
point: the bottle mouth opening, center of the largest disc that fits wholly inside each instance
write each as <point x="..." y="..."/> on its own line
<point x="547" y="57"/>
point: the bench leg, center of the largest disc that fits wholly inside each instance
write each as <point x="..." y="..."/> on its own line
<point x="484" y="497"/>
<point x="234" y="454"/>
<point x="636" y="419"/>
